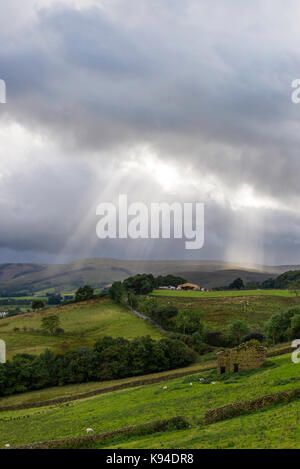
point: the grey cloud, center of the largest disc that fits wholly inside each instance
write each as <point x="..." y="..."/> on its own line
<point x="203" y="83"/>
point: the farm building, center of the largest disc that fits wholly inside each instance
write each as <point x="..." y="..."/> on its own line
<point x="188" y="286"/>
<point x="246" y="356"/>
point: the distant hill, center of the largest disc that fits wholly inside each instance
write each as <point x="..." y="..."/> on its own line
<point x="99" y="272"/>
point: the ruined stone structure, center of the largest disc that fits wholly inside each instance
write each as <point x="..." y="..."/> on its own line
<point x="247" y="356"/>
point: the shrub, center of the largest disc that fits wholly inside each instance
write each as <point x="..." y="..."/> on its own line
<point x="84" y="293"/>
<point x="237" y="329"/>
<point x="278" y="328"/>
<point x="216" y="339"/>
<point x="254" y="336"/>
<point x="37" y="304"/>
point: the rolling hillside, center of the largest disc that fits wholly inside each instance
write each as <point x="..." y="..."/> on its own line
<point x="100" y="272"/>
<point x="278" y="426"/>
<point x="83" y="324"/>
<point x="217" y="312"/>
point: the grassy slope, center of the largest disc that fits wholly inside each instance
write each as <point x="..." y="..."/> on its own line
<point x="83" y="324"/>
<point x="205" y="362"/>
<point x="79" y="389"/>
<point x="223" y="294"/>
<point x="137" y="405"/>
<point x="217" y="312"/>
<point x="274" y="428"/>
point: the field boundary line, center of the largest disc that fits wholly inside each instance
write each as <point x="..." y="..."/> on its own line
<point x="119" y="387"/>
<point x="235" y="409"/>
<point x="178" y="422"/>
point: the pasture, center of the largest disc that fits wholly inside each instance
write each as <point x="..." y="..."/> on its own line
<point x="223" y="294"/>
<point x="83" y="324"/>
<point x="218" y="312"/>
<point x="149" y="402"/>
<point x="274" y="428"/>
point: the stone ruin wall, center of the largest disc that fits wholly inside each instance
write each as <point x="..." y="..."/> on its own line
<point x="247" y="356"/>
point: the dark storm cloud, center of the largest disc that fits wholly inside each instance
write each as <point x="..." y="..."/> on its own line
<point x="206" y="84"/>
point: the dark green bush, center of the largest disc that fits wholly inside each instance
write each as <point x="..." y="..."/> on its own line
<point x="111" y="358"/>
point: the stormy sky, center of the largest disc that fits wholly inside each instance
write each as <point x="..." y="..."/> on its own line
<point x="162" y="100"/>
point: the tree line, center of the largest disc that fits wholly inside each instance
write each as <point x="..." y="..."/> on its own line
<point x="288" y="280"/>
<point x="110" y="358"/>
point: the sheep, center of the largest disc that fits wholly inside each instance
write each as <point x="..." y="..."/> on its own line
<point x="165" y="387"/>
<point x="89" y="430"/>
<point x="201" y="380"/>
<point x="191" y="384"/>
<point x="213" y="382"/>
<point x="7" y="445"/>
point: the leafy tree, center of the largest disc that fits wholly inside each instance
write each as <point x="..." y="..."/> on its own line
<point x="162" y="314"/>
<point x="84" y="293"/>
<point x="238" y="329"/>
<point x="252" y="285"/>
<point x="176" y="353"/>
<point x="37" y="304"/>
<point x="51" y="324"/>
<point x="295" y="287"/>
<point x="295" y="327"/>
<point x="54" y="299"/>
<point x="237" y="284"/>
<point x="146" y="287"/>
<point x="283" y="280"/>
<point x="117" y="292"/>
<point x="111" y="358"/>
<point x="132" y="299"/>
<point x="148" y="306"/>
<point x="277" y="327"/>
<point x="189" y="321"/>
<point x="169" y="280"/>
<point x="268" y="284"/>
<point x="141" y="284"/>
<point x="166" y="312"/>
<point x="78" y="366"/>
<point x="254" y="336"/>
<point x="216" y="339"/>
<point x="198" y="343"/>
<point x="48" y="362"/>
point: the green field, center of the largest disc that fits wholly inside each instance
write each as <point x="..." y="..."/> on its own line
<point x="28" y="298"/>
<point x="70" y="390"/>
<point x="83" y="323"/>
<point x="218" y="312"/>
<point x="274" y="428"/>
<point x="150" y="402"/>
<point x="223" y="294"/>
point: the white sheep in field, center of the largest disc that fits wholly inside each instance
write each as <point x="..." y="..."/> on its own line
<point x="191" y="384"/>
<point x="89" y="430"/>
<point x="201" y="380"/>
<point x="165" y="387"/>
<point x="7" y="445"/>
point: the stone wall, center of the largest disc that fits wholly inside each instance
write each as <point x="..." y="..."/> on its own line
<point x="80" y="442"/>
<point x="238" y="408"/>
